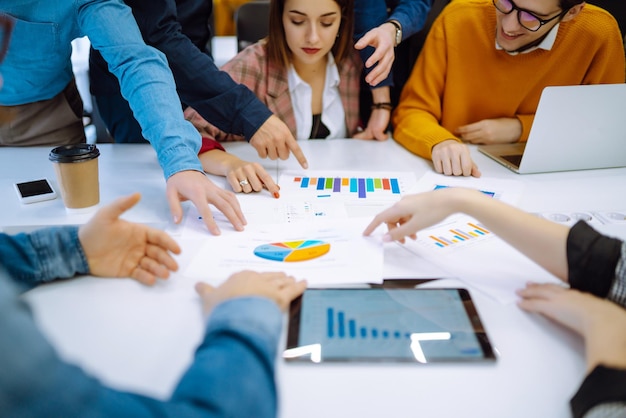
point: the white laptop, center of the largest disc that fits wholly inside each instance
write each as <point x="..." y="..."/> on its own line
<point x="575" y="128"/>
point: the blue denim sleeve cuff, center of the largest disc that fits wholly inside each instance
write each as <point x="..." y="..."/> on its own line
<point x="181" y="157"/>
<point x="59" y="254"/>
<point x="254" y="316"/>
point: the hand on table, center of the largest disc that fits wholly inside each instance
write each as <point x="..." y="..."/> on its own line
<point x="243" y="176"/>
<point x="415" y="212"/>
<point x="118" y="248"/>
<point x="452" y="158"/>
<point x="376" y="126"/>
<point x="195" y="186"/>
<point x="600" y="322"/>
<point x="277" y="286"/>
<point x="379" y="118"/>
<point x="274" y="140"/>
<point x="491" y="131"/>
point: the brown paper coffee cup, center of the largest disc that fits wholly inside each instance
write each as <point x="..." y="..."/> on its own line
<point x="76" y="168"/>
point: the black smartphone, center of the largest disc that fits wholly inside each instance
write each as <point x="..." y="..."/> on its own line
<point x="35" y="191"/>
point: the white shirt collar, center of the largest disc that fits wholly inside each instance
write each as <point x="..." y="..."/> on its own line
<point x="546" y="44"/>
<point x="332" y="75"/>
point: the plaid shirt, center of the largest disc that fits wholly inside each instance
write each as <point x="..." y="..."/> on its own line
<point x="268" y="81"/>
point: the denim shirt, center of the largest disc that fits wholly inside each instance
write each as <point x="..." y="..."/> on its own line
<point x="178" y="28"/>
<point x="368" y="14"/>
<point x="232" y="373"/>
<point x="38" y="67"/>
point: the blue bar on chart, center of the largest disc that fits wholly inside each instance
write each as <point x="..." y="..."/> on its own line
<point x="330" y="315"/>
<point x="336" y="322"/>
<point x="486" y="192"/>
<point x="362" y="187"/>
<point x="341" y="328"/>
<point x="352" y="328"/>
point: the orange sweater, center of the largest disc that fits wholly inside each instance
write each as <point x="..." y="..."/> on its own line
<point x="460" y="77"/>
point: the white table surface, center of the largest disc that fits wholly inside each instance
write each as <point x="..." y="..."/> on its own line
<point x="142" y="338"/>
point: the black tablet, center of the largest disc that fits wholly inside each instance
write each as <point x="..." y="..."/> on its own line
<point x="380" y="324"/>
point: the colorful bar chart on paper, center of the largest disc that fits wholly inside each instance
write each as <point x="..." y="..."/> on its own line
<point x="454" y="235"/>
<point x="360" y="187"/>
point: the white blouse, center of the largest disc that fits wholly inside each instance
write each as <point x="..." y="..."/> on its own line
<point x="333" y="114"/>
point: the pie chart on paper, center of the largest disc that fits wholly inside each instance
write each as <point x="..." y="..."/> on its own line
<point x="290" y="251"/>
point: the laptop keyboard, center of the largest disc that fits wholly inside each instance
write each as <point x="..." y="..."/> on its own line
<point x="513" y="159"/>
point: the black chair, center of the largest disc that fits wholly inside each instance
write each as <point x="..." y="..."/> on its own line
<point x="252" y="22"/>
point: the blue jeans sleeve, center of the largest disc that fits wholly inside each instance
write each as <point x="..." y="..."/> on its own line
<point x="43" y="255"/>
<point x="146" y="83"/>
<point x="232" y="373"/>
<point x="234" y="367"/>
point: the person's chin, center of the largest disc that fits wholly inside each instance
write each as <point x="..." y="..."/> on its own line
<point x="510" y="46"/>
<point x="510" y="43"/>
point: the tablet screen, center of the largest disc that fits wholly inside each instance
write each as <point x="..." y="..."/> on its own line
<point x="378" y="324"/>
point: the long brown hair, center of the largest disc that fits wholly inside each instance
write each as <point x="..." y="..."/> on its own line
<point x="277" y="48"/>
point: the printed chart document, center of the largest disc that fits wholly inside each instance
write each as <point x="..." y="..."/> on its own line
<point x="469" y="251"/>
<point x="362" y="193"/>
<point x="264" y="211"/>
<point x="324" y="253"/>
<point x="508" y="191"/>
<point x="347" y="185"/>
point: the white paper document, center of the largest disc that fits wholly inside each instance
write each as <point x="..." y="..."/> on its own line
<point x="467" y="250"/>
<point x="323" y="253"/>
<point x="508" y="191"/>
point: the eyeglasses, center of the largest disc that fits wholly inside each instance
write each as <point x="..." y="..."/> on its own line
<point x="525" y="18"/>
<point x="6" y="27"/>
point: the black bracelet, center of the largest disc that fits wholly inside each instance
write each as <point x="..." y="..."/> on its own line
<point x="382" y="105"/>
<point x="396" y="24"/>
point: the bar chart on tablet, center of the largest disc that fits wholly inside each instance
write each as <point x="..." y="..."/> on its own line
<point x="364" y="324"/>
<point x="338" y="325"/>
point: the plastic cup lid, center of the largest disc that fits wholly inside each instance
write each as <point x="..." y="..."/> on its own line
<point x="74" y="153"/>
